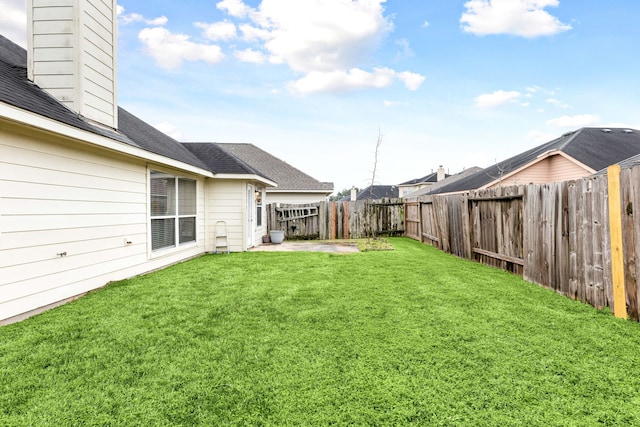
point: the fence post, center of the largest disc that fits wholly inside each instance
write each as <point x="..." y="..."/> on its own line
<point x="345" y="227"/>
<point x="333" y="220"/>
<point x="617" y="257"/>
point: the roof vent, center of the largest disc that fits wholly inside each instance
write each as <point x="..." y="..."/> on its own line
<point x="606" y="130"/>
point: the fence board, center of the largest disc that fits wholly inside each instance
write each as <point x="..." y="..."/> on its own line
<point x="629" y="182"/>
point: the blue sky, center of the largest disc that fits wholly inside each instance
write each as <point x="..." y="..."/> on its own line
<point x="452" y="83"/>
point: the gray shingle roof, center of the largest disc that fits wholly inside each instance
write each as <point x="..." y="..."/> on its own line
<point x="450" y="179"/>
<point x="18" y="91"/>
<point x="219" y="160"/>
<point x="432" y="177"/>
<point x="151" y="139"/>
<point x="596" y="148"/>
<point x="376" y="192"/>
<point x="286" y="176"/>
<point x="624" y="164"/>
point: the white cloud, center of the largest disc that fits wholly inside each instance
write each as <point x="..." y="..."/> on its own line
<point x="343" y="81"/>
<point x="405" y="49"/>
<point x="235" y="8"/>
<point x="558" y="103"/>
<point x="526" y="18"/>
<point x="354" y="79"/>
<point x="251" y="56"/>
<point x="497" y="98"/>
<point x="13" y="21"/>
<point x="170" y="129"/>
<point x="316" y="35"/>
<point x="252" y="34"/>
<point x="425" y="24"/>
<point x="411" y="80"/>
<point x="159" y="21"/>
<point x="128" y="18"/>
<point x="325" y="41"/>
<point x="223" y="30"/>
<point x="577" y="121"/>
<point x="169" y="50"/>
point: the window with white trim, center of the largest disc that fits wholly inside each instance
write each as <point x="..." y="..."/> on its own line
<point x="258" y="206"/>
<point x="173" y="210"/>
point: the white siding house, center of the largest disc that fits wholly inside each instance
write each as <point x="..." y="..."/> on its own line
<point x="81" y="203"/>
<point x="73" y="218"/>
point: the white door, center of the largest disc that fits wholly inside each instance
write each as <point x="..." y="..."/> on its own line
<point x="251" y="209"/>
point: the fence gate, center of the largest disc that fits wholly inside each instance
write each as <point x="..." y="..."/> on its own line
<point x="412" y="225"/>
<point x="496" y="231"/>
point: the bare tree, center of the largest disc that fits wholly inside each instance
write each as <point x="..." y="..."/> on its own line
<point x="375" y="161"/>
<point x="371" y="231"/>
<point x="503" y="169"/>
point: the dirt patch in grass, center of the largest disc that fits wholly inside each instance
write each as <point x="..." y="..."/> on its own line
<point x="374" y="244"/>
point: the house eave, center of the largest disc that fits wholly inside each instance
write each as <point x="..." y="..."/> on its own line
<point x="282" y="190"/>
<point x="27" y="119"/>
<point x="246" y="177"/>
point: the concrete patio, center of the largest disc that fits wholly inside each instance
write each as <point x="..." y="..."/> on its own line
<point x="308" y="246"/>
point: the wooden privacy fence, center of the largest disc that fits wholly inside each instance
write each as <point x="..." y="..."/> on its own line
<point x="338" y="220"/>
<point x="556" y="235"/>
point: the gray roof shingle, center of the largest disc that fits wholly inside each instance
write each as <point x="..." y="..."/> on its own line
<point x="219" y="160"/>
<point x="286" y="176"/>
<point x="432" y="177"/>
<point x="376" y="192"/>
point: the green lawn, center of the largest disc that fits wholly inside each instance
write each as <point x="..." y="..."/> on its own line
<point x="411" y="336"/>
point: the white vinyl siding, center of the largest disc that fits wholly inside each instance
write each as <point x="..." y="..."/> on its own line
<point x="226" y="200"/>
<point x="71" y="220"/>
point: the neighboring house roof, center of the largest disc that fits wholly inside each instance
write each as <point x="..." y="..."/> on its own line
<point x="624" y="164"/>
<point x="288" y="178"/>
<point x="595" y="148"/>
<point x="375" y="192"/>
<point x="432" y="177"/>
<point x="18" y="91"/>
<point x="450" y="179"/>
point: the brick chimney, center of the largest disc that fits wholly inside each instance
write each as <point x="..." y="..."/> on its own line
<point x="354" y="194"/>
<point x="72" y="55"/>
<point x="440" y="174"/>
